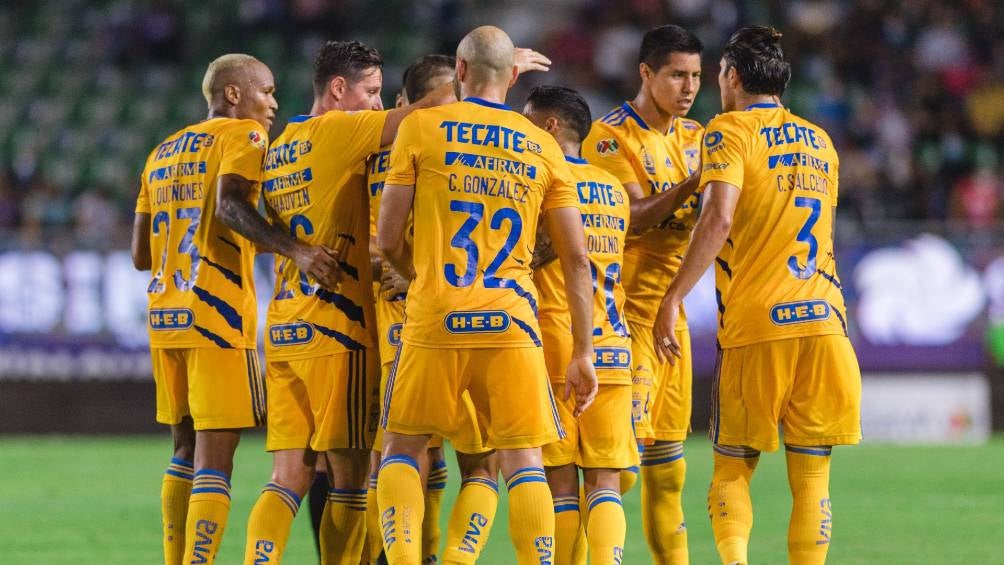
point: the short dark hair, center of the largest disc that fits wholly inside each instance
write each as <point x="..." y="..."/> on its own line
<point x="755" y="52"/>
<point x="418" y="77"/>
<point x="348" y="59"/>
<point x="566" y="103"/>
<point x="660" y="42"/>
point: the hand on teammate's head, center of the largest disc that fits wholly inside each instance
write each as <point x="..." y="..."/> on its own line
<point x="529" y="60"/>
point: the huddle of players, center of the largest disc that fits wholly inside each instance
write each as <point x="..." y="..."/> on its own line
<point x="591" y="299"/>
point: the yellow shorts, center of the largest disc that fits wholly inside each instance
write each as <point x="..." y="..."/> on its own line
<point x="556" y="335"/>
<point x="435" y="442"/>
<point x="809" y="385"/>
<point x="323" y="403"/>
<point x="601" y="437"/>
<point x="509" y="391"/>
<point x="219" y="388"/>
<point x="662" y="392"/>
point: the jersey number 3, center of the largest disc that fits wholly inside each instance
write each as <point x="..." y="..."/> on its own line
<point x="805" y="236"/>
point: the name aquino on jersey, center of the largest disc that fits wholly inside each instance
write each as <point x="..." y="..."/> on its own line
<point x="596" y="194"/>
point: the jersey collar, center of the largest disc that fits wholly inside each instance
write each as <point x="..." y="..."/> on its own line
<point x="637" y="118"/>
<point x="300" y="118"/>
<point x="576" y="160"/>
<point x="483" y="102"/>
<point x="763" y="105"/>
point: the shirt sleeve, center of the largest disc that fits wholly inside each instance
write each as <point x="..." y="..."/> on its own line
<point x="608" y="151"/>
<point x="242" y="150"/>
<point x="143" y="199"/>
<point x="560" y="192"/>
<point x="724" y="153"/>
<point x="358" y="133"/>
<point x="405" y="154"/>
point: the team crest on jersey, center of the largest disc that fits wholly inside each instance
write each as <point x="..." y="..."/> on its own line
<point x="647" y="161"/>
<point x="257" y="139"/>
<point x="208" y="139"/>
<point x="305" y="147"/>
<point x="693" y="160"/>
<point x="607" y="146"/>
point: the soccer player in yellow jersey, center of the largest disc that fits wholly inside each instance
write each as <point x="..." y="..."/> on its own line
<point x="770" y="193"/>
<point x="601" y="441"/>
<point x="420" y="78"/>
<point x="654" y="151"/>
<point x="321" y="370"/>
<point x="196" y="227"/>
<point x="478" y="175"/>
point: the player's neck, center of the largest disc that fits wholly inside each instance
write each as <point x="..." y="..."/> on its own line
<point x="655" y="118"/>
<point x="222" y="112"/>
<point x="490" y="92"/>
<point x="324" y="104"/>
<point x="570" y="148"/>
<point x="744" y="101"/>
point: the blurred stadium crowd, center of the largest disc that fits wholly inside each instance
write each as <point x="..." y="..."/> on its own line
<point x="911" y="92"/>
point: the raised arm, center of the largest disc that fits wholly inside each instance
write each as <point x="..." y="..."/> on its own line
<point x="710" y="233"/>
<point x="140" y="245"/>
<point x="564" y="225"/>
<point x="234" y="210"/>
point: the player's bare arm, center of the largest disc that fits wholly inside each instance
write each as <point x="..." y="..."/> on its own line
<point x="140" y="244"/>
<point x="565" y="228"/>
<point x="391" y="225"/>
<point x="650" y="211"/>
<point x="710" y="233"/>
<point x="543" y="251"/>
<point x="234" y="209"/>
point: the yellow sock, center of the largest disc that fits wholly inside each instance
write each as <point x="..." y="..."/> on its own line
<point x="208" y="510"/>
<point x="663" y="470"/>
<point x="269" y="523"/>
<point x="174" y="492"/>
<point x="580" y="550"/>
<point x="433" y="501"/>
<point x="566" y="528"/>
<point x="729" y="504"/>
<point x="531" y="516"/>
<point x="343" y="527"/>
<point x="629" y="477"/>
<point x="471" y="520"/>
<point x="811" y="514"/>
<point x="374" y="540"/>
<point x="402" y="505"/>
<point x="607" y="527"/>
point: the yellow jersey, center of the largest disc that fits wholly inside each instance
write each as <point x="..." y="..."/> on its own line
<point x="606" y="212"/>
<point x="776" y="277"/>
<point x="315" y="183"/>
<point x="482" y="175"/>
<point x="201" y="293"/>
<point x="390" y="310"/>
<point x="624" y="145"/>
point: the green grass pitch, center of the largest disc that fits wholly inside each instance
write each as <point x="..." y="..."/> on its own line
<point x="72" y="500"/>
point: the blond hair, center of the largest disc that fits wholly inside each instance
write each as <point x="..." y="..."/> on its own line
<point x="224" y="70"/>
